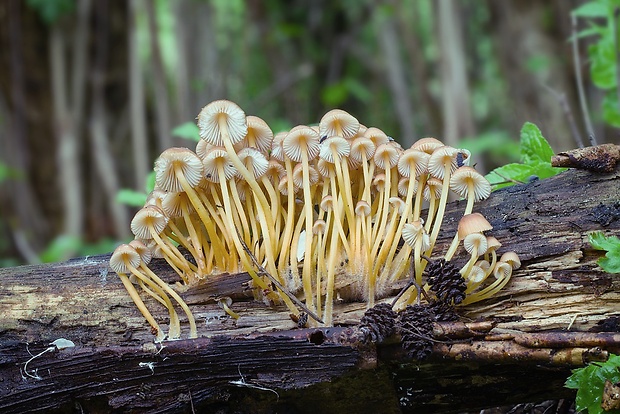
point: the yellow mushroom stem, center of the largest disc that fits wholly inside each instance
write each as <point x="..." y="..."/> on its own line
<point x="133" y="293"/>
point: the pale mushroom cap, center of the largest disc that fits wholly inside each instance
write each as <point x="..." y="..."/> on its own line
<point x="362" y="145"/>
<point x="428" y="144"/>
<point x="325" y="168"/>
<point x="362" y="208"/>
<point x="327" y="203"/>
<point x="277" y="152"/>
<point x="216" y="157"/>
<point x="166" y="166"/>
<point x="259" y="135"/>
<point x="483" y="264"/>
<point x="254" y="160"/>
<point x="413" y="158"/>
<point x="413" y="232"/>
<point x="476" y="274"/>
<point x="122" y="255"/>
<point x="298" y="174"/>
<point x="472" y="223"/>
<point x="209" y="118"/>
<point x="403" y="186"/>
<point x="283" y="185"/>
<point x="174" y="204"/>
<point x="511" y="258"/>
<point x="397" y="203"/>
<point x="319" y="227"/>
<point x="377" y="136"/>
<point x="475" y="240"/>
<point x="301" y="138"/>
<point x="438" y="160"/>
<point x="142" y="250"/>
<point x="275" y="171"/>
<point x="502" y="270"/>
<point x="155" y="198"/>
<point x="338" y="122"/>
<point x="386" y="156"/>
<point x="378" y="181"/>
<point x="202" y="148"/>
<point x="149" y="216"/>
<point x="464" y="177"/>
<point x="341" y="145"/>
<point x="433" y="188"/>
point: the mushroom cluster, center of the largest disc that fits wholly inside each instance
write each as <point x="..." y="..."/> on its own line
<point x="316" y="208"/>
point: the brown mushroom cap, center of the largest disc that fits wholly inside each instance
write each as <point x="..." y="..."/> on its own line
<point x="472" y="223"/>
<point x="511" y="258"/>
<point x="377" y="136"/>
<point x="428" y="144"/>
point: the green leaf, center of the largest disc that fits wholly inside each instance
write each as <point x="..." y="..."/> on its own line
<point x="611" y="262"/>
<point x="592" y="9"/>
<point x="590" y="381"/>
<point x="188" y="130"/>
<point x="611" y="109"/>
<point x="513" y="171"/>
<point x="545" y="170"/>
<point x="61" y="248"/>
<point x="150" y="182"/>
<point x="602" y="54"/>
<point x="130" y="198"/>
<point x="534" y="147"/>
<point x="52" y="10"/>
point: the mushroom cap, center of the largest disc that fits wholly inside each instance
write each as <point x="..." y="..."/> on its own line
<point x="143" y="251"/>
<point x="362" y="145"/>
<point x="301" y="138"/>
<point x="122" y="255"/>
<point x="175" y="204"/>
<point x="338" y="122"/>
<point x="324" y="168"/>
<point x="319" y="226"/>
<point x="166" y="169"/>
<point x="275" y="171"/>
<point x="472" y="223"/>
<point x="202" y="148"/>
<point x="511" y="258"/>
<point x="428" y="144"/>
<point x="475" y="240"/>
<point x="283" y="185"/>
<point x="155" y="198"/>
<point x="327" y="203"/>
<point x="433" y="188"/>
<point x="254" y="160"/>
<point x="209" y="122"/>
<point x="397" y="203"/>
<point x="476" y="274"/>
<point x="298" y="176"/>
<point x="259" y="135"/>
<point x="386" y="156"/>
<point x="216" y="157"/>
<point x="465" y="176"/>
<point x="414" y="231"/>
<point x="403" y="186"/>
<point x="277" y="151"/>
<point x="413" y="158"/>
<point x="362" y="208"/>
<point x="502" y="270"/>
<point x="438" y="160"/>
<point x="146" y="218"/>
<point x="483" y="264"/>
<point x="492" y="244"/>
<point x="341" y="145"/>
<point x="378" y="181"/>
<point x="377" y="136"/>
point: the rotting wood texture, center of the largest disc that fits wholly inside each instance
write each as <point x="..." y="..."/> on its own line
<point x="262" y="363"/>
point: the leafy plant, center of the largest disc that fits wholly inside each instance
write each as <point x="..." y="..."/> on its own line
<point x="52" y="10"/>
<point x="134" y="198"/>
<point x="601" y="18"/>
<point x="611" y="262"/>
<point x="590" y="382"/>
<point x="535" y="157"/>
<point x="188" y="130"/>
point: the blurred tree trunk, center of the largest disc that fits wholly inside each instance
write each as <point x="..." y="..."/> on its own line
<point x="456" y="99"/>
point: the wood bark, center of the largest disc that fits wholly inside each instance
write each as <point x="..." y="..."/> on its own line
<point x="519" y="346"/>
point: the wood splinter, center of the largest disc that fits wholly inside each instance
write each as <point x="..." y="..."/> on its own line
<point x="599" y="158"/>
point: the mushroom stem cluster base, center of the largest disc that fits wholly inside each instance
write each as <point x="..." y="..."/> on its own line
<point x="527" y="338"/>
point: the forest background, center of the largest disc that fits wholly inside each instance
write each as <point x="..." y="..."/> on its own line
<point x="91" y="91"/>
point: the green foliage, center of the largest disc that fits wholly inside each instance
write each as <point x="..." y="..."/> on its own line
<point x="590" y="381"/>
<point x="188" y="130"/>
<point x="65" y="247"/>
<point x="602" y="23"/>
<point x="134" y="198"/>
<point x="7" y="172"/>
<point x="611" y="262"/>
<point x="535" y="160"/>
<point x="52" y="10"/>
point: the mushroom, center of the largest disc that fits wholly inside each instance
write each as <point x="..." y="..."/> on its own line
<point x="225" y="302"/>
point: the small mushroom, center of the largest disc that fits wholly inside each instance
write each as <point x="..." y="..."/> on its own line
<point x="225" y="302"/>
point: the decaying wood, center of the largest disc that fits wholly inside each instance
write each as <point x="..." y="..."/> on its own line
<point x="548" y="319"/>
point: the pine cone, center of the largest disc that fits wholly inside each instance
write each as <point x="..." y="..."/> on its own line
<point x="415" y="325"/>
<point x="446" y="281"/>
<point x="378" y="322"/>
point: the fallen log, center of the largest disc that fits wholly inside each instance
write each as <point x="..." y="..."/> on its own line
<point x="515" y="347"/>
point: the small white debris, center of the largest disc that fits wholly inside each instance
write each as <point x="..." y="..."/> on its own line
<point x="301" y="246"/>
<point x="149" y="365"/>
<point x="62" y="343"/>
